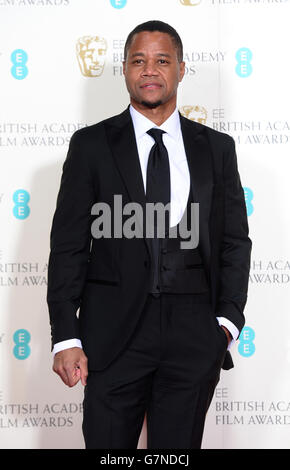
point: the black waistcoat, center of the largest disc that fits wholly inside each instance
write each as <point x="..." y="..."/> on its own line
<point x="175" y="269"/>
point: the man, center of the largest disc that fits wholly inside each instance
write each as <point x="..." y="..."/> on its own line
<point x="155" y="320"/>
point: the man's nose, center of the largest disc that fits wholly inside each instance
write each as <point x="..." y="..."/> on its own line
<point x="150" y="68"/>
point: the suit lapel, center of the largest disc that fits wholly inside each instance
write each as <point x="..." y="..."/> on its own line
<point x="199" y="159"/>
<point x="122" y="140"/>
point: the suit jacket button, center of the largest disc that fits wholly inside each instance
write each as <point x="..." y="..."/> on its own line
<point x="146" y="263"/>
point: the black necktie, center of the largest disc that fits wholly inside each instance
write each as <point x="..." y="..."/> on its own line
<point x="158" y="173"/>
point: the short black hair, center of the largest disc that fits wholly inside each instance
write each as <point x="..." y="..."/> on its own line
<point x="155" y="25"/>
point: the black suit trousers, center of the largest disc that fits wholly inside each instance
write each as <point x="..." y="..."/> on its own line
<point x="168" y="371"/>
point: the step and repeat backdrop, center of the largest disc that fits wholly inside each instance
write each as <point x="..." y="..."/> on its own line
<point x="61" y="70"/>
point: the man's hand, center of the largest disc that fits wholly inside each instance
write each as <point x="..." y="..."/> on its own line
<point x="229" y="336"/>
<point x="71" y="365"/>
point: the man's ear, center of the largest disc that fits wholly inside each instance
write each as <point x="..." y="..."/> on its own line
<point x="181" y="70"/>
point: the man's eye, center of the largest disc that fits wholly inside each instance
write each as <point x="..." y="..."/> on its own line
<point x="163" y="61"/>
<point x="138" y="61"/>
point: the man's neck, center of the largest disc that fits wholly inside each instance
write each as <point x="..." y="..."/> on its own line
<point x="157" y="115"/>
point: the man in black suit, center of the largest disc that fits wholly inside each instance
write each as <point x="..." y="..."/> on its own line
<point x="155" y="319"/>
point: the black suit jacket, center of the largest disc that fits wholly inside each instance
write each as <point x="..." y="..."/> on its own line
<point x="107" y="279"/>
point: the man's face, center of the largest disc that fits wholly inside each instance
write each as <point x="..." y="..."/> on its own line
<point x="152" y="71"/>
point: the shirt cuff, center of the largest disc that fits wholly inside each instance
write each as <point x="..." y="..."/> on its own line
<point x="231" y="327"/>
<point x="68" y="343"/>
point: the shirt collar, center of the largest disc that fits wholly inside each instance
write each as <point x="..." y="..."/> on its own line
<point x="142" y="124"/>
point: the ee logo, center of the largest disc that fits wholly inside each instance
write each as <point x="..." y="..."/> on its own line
<point x="118" y="3"/>
<point x="247" y="347"/>
<point x="248" y="198"/>
<point x="21" y="199"/>
<point x="21" y="339"/>
<point x="19" y="58"/>
<point x="244" y="67"/>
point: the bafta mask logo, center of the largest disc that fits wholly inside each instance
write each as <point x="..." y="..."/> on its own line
<point x="194" y="113"/>
<point x="190" y="3"/>
<point x="91" y="54"/>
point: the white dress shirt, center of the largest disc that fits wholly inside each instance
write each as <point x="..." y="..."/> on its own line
<point x="179" y="183"/>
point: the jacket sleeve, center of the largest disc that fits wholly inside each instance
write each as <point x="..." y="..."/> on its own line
<point x="235" y="244"/>
<point x="70" y="243"/>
